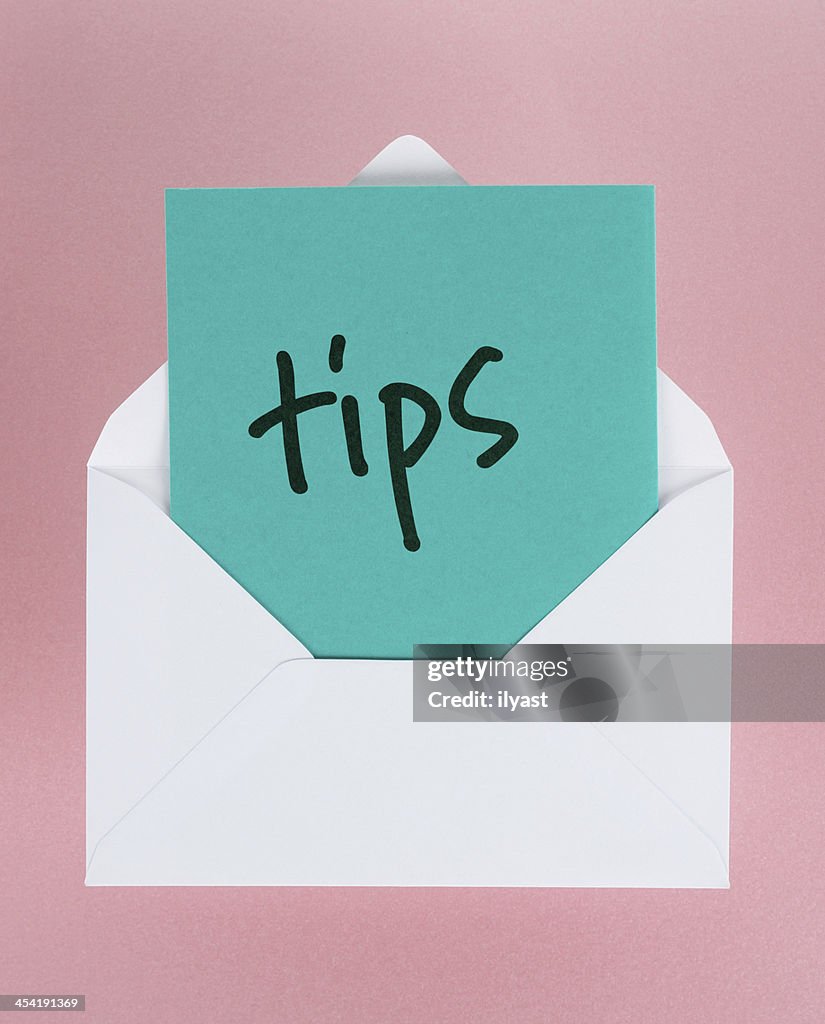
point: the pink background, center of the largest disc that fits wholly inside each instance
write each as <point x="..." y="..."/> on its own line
<point x="105" y="103"/>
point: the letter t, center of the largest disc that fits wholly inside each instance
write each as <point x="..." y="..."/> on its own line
<point x="287" y="414"/>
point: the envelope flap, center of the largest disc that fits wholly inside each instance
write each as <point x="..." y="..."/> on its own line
<point x="137" y="432"/>
<point x="687" y="438"/>
<point x="408" y="160"/>
<point x="320" y="777"/>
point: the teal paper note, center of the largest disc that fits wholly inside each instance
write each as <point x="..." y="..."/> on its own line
<point x="498" y="443"/>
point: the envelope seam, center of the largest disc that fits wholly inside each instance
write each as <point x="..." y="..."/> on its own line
<point x="230" y="711"/>
<point x="663" y="792"/>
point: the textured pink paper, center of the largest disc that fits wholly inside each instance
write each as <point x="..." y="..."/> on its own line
<point x="104" y="104"/>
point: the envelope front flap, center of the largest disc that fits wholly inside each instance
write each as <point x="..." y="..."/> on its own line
<point x="321" y="777"/>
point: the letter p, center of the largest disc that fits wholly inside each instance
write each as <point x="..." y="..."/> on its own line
<point x="402" y="458"/>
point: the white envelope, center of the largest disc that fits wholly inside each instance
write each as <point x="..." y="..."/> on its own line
<point x="219" y="752"/>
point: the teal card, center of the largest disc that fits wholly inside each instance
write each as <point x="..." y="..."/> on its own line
<point x="411" y="415"/>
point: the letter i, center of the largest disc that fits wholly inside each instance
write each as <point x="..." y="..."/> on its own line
<point x="349" y="411"/>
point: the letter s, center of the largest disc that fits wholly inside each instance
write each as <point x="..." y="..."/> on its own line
<point x="508" y="435"/>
